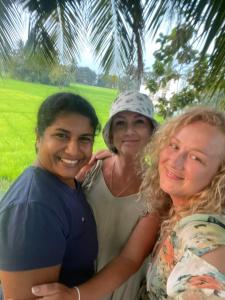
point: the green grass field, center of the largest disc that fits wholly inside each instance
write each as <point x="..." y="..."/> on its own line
<point x="19" y="102"/>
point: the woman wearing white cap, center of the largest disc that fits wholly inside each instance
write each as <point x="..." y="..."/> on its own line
<point x="115" y="182"/>
<point x="111" y="188"/>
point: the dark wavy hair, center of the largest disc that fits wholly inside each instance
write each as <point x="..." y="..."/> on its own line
<point x="65" y="103"/>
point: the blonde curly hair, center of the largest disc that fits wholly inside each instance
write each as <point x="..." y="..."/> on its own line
<point x="210" y="200"/>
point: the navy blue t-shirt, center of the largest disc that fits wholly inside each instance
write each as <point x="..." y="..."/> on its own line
<point x="43" y="223"/>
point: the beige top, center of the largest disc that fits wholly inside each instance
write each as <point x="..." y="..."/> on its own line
<point x="115" y="217"/>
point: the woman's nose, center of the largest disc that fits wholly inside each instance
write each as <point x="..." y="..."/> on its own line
<point x="72" y="147"/>
<point x="178" y="161"/>
<point x="129" y="128"/>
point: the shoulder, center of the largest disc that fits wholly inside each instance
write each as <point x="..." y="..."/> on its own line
<point x="200" y="223"/>
<point x="34" y="195"/>
<point x="197" y="236"/>
<point x="200" y="233"/>
<point x="92" y="175"/>
<point x="19" y="189"/>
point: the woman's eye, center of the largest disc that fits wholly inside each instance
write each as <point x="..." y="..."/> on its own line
<point x="194" y="157"/>
<point x="173" y="146"/>
<point x="86" y="140"/>
<point x="61" y="135"/>
<point x="140" y="121"/>
<point x="119" y="123"/>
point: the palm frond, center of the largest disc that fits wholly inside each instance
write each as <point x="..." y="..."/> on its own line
<point x="207" y="16"/>
<point x="9" y="23"/>
<point x="117" y="33"/>
<point x="54" y="28"/>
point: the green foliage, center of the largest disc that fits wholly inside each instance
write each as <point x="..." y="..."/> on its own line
<point x="117" y="29"/>
<point x="176" y="61"/>
<point x="18" y="107"/>
<point x="152" y="85"/>
<point x="129" y="80"/>
<point x="59" y="75"/>
<point x="185" y="97"/>
<point x="85" y="75"/>
<point x="21" y="67"/>
<point x="107" y="80"/>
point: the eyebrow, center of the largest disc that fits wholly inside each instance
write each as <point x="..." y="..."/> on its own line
<point x="87" y="134"/>
<point x="137" y="115"/>
<point x="192" y="149"/>
<point x="68" y="132"/>
<point x="63" y="130"/>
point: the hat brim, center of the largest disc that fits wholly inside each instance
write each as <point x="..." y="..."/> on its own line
<point x="106" y="131"/>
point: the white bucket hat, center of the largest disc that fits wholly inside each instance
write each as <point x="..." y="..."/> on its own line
<point x="129" y="101"/>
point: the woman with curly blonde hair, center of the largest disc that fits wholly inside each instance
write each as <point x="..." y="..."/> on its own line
<point x="185" y="183"/>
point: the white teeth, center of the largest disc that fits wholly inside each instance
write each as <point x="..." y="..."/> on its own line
<point x="70" y="162"/>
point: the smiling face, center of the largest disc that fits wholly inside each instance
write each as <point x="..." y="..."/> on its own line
<point x="190" y="160"/>
<point x="130" y="132"/>
<point x="65" y="146"/>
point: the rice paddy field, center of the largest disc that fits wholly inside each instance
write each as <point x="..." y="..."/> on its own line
<point x="19" y="102"/>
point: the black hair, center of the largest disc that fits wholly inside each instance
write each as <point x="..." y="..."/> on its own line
<point x="65" y="103"/>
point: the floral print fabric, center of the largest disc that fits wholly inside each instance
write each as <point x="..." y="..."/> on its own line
<point x="178" y="266"/>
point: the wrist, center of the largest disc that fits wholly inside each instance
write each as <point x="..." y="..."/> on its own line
<point x="77" y="292"/>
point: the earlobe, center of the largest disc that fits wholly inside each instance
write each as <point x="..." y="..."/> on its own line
<point x="37" y="142"/>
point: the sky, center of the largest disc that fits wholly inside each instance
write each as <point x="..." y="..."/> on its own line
<point x="88" y="59"/>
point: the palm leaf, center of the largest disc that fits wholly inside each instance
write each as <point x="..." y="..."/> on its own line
<point x="116" y="33"/>
<point x="9" y="23"/>
<point x="208" y="16"/>
<point x="54" y="28"/>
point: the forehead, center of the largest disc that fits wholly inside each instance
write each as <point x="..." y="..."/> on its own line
<point x="203" y="137"/>
<point x="128" y="114"/>
<point x="72" y="122"/>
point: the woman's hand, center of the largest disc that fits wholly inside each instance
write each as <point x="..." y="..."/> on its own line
<point x="102" y="154"/>
<point x="55" y="291"/>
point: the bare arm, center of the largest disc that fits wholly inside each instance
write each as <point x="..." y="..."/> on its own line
<point x="206" y="285"/>
<point x="196" y="295"/>
<point x="17" y="285"/>
<point x="115" y="273"/>
<point x="216" y="258"/>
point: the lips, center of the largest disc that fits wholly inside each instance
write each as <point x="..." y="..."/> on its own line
<point x="130" y="141"/>
<point x="69" y="162"/>
<point x="173" y="175"/>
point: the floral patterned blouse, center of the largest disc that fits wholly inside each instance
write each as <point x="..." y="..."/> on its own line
<point x="178" y="267"/>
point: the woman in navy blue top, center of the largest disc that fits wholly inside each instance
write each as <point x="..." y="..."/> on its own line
<point x="47" y="230"/>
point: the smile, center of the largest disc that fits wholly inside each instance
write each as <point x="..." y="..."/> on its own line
<point x="70" y="162"/>
<point x="173" y="175"/>
<point x="130" y="141"/>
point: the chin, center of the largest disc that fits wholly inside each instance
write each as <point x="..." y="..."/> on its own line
<point x="68" y="175"/>
<point x="130" y="153"/>
<point x="167" y="189"/>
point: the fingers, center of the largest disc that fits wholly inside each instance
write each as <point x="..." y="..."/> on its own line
<point x="102" y="154"/>
<point x="47" y="289"/>
<point x="93" y="160"/>
<point x="54" y="291"/>
<point x="82" y="173"/>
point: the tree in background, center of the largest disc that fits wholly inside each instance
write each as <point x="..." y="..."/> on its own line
<point x="117" y="28"/>
<point x="60" y="75"/>
<point x="178" y="64"/>
<point x="123" y="82"/>
<point x="86" y="76"/>
<point x="22" y="67"/>
<point x="128" y="80"/>
<point x="107" y="80"/>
